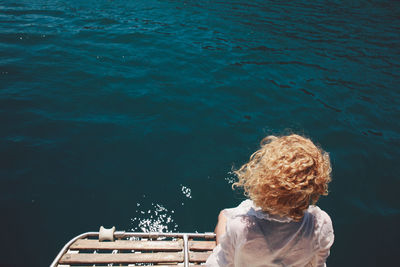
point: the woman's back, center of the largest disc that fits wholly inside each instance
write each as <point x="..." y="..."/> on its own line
<point x="257" y="239"/>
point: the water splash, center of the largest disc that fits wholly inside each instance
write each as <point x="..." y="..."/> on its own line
<point x="155" y="219"/>
<point x="186" y="191"/>
<point x="231" y="178"/>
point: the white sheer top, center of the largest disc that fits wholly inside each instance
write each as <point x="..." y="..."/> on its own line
<point x="254" y="238"/>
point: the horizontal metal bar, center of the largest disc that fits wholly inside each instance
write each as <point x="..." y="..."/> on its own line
<point x="120" y="234"/>
<point x="156" y="234"/>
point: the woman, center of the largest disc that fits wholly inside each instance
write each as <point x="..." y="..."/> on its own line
<point x="279" y="225"/>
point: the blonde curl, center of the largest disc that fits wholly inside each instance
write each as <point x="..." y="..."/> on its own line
<point x="285" y="175"/>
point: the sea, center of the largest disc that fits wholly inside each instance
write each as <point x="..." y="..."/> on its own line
<point x="134" y="113"/>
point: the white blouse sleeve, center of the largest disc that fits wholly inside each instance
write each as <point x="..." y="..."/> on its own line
<point x="228" y="245"/>
<point x="325" y="240"/>
<point x="224" y="254"/>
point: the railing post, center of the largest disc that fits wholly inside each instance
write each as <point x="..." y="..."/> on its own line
<point x="186" y="250"/>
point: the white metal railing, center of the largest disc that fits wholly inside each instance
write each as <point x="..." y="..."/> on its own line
<point x="151" y="235"/>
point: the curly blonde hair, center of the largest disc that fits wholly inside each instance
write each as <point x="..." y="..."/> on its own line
<point x="285" y="175"/>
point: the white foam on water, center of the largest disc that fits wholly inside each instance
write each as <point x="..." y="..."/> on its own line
<point x="155" y="219"/>
<point x="186" y="191"/>
<point x="231" y="178"/>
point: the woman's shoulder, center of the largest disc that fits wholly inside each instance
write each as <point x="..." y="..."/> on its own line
<point x="248" y="209"/>
<point x="320" y="215"/>
<point x="242" y="209"/>
<point x="323" y="227"/>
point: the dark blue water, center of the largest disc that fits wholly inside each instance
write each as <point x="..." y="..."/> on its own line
<point x="132" y="113"/>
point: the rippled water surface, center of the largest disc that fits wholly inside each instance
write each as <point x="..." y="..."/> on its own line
<point x="132" y="113"/>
